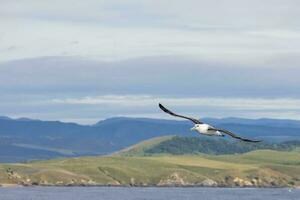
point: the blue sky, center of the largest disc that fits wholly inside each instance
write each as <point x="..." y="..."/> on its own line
<point x="88" y="60"/>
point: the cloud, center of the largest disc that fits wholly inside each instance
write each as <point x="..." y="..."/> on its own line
<point x="121" y="43"/>
<point x="91" y="109"/>
<point x="232" y="13"/>
<point x="171" y="76"/>
<point x="222" y="103"/>
<point x="247" y="32"/>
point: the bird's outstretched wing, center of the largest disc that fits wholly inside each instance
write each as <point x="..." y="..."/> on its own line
<point x="235" y="136"/>
<point x="196" y="121"/>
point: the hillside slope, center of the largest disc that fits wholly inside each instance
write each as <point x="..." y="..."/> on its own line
<point x="141" y="148"/>
<point x="175" y="145"/>
<point x="262" y="168"/>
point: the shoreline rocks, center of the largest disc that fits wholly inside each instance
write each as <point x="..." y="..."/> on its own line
<point x="209" y="183"/>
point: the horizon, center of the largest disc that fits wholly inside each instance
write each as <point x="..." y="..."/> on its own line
<point x="137" y="118"/>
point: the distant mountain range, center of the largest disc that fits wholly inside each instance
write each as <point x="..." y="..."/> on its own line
<point x="26" y="139"/>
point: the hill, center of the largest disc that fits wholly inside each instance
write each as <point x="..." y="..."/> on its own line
<point x="26" y="139"/>
<point x="141" y="148"/>
<point x="263" y="168"/>
<point x="215" y="146"/>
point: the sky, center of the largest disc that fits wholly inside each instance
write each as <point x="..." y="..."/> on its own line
<point x="83" y="61"/>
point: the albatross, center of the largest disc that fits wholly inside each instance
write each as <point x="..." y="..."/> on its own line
<point x="206" y="129"/>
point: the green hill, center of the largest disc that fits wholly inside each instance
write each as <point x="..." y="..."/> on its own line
<point x="141" y="148"/>
<point x="263" y="168"/>
<point x="198" y="145"/>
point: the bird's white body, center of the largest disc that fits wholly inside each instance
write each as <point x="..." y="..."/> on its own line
<point x="205" y="130"/>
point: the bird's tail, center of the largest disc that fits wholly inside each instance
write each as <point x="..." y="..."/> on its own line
<point x="220" y="134"/>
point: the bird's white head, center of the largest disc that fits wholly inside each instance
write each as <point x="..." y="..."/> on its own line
<point x="194" y="128"/>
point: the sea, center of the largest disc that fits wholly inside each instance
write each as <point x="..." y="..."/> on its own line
<point x="146" y="193"/>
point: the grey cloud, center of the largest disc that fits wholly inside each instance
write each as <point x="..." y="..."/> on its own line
<point x="240" y="31"/>
<point x="190" y="13"/>
<point x="152" y="75"/>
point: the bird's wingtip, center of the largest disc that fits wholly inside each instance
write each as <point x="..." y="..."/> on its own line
<point x="163" y="108"/>
<point x="255" y="141"/>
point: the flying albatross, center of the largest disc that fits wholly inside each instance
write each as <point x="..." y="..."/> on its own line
<point x="206" y="129"/>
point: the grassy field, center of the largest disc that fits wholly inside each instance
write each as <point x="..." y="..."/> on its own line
<point x="262" y="168"/>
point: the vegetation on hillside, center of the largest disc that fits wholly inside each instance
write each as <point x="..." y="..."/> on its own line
<point x="263" y="168"/>
<point x="195" y="145"/>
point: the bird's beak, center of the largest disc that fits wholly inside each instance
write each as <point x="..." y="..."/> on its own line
<point x="192" y="129"/>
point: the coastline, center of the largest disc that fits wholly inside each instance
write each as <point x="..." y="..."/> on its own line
<point x="160" y="171"/>
<point x="8" y="185"/>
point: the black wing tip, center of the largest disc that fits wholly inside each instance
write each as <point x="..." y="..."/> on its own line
<point x="162" y="107"/>
<point x="248" y="140"/>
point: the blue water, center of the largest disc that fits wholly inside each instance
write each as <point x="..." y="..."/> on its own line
<point x="124" y="193"/>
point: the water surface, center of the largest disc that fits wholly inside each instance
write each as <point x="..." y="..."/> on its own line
<point x="126" y="193"/>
